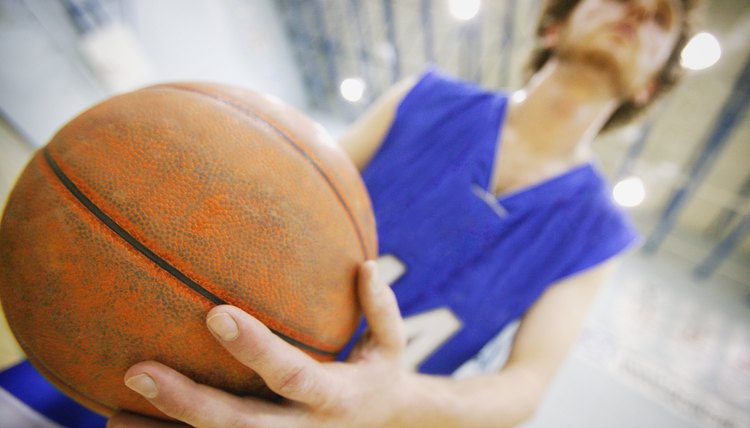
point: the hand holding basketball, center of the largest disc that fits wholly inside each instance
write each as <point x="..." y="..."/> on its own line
<point x="360" y="392"/>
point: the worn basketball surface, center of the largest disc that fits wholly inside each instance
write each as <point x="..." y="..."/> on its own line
<point x="149" y="209"/>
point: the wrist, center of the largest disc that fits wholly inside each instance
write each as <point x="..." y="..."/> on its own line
<point x="494" y="400"/>
<point x="424" y="401"/>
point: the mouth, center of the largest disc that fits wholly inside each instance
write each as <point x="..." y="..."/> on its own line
<point x="624" y="30"/>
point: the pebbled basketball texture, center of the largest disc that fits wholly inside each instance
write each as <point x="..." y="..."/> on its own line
<point x="152" y="207"/>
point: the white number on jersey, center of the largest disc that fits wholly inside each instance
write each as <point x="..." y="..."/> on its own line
<point x="425" y="332"/>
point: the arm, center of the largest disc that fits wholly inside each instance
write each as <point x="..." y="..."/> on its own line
<point x="363" y="139"/>
<point x="511" y="396"/>
<point x="370" y="390"/>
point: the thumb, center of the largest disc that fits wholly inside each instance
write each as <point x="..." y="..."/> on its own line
<point x="381" y="310"/>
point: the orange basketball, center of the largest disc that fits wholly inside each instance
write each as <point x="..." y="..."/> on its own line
<point x="152" y="207"/>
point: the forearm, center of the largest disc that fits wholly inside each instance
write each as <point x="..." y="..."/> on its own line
<point x="504" y="399"/>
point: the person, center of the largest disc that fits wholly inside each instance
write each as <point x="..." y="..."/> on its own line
<point x="493" y="211"/>
<point x="497" y="223"/>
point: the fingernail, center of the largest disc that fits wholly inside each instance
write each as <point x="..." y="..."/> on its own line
<point x="224" y="326"/>
<point x="143" y="384"/>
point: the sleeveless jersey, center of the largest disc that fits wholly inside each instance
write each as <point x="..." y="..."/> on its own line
<point x="484" y="259"/>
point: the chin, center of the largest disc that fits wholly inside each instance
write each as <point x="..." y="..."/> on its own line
<point x="605" y="60"/>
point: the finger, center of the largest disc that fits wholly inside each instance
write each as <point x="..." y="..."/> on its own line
<point x="381" y="310"/>
<point x="286" y="370"/>
<point x="129" y="420"/>
<point x="181" y="398"/>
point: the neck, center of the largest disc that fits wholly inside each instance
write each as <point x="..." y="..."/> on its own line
<point x="565" y="107"/>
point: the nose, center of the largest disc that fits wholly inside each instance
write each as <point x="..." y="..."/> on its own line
<point x="639" y="9"/>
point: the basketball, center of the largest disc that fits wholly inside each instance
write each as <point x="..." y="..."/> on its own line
<point x="149" y="209"/>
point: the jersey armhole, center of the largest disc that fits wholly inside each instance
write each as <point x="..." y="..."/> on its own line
<point x="406" y="101"/>
<point x="422" y="80"/>
<point x="620" y="241"/>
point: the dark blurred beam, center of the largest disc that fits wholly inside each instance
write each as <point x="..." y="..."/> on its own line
<point x="296" y="18"/>
<point x="634" y="151"/>
<point x="328" y="48"/>
<point x="469" y="48"/>
<point x="728" y="215"/>
<point x="475" y="36"/>
<point x="644" y="132"/>
<point x="723" y="249"/>
<point x="732" y="238"/>
<point x="354" y="12"/>
<point x="426" y="19"/>
<point x="506" y="42"/>
<point x="728" y="118"/>
<point x="390" y="24"/>
<point x="85" y="15"/>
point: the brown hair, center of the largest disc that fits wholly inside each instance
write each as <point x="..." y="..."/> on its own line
<point x="556" y="11"/>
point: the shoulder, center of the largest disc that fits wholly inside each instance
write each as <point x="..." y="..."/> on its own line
<point x="596" y="228"/>
<point x="435" y="85"/>
<point x="417" y="102"/>
<point x="589" y="191"/>
<point x="365" y="136"/>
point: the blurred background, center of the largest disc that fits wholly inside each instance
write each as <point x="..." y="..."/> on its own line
<point x="667" y="343"/>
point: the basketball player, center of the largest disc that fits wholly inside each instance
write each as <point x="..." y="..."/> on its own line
<point x="496" y="226"/>
<point x="493" y="212"/>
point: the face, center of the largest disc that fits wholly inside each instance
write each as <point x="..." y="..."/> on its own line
<point x="629" y="39"/>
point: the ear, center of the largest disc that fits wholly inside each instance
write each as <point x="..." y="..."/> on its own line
<point x="644" y="95"/>
<point x="551" y="35"/>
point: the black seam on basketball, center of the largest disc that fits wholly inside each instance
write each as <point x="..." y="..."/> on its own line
<point x="104" y="218"/>
<point x="165" y="265"/>
<point x="291" y="142"/>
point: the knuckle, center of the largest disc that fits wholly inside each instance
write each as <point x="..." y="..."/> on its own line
<point x="334" y="404"/>
<point x="251" y="354"/>
<point x="237" y="421"/>
<point x="294" y="381"/>
<point x="400" y="343"/>
<point x="386" y="306"/>
<point x="178" y="411"/>
<point x="176" y="406"/>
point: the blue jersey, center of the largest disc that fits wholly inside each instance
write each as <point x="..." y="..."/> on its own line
<point x="28" y="400"/>
<point x="484" y="259"/>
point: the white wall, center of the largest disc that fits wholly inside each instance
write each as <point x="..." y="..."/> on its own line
<point x="45" y="80"/>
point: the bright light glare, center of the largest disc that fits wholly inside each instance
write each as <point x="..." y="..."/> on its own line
<point x="518" y="96"/>
<point x="702" y="51"/>
<point x="463" y="9"/>
<point x="629" y="192"/>
<point x="352" y="89"/>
